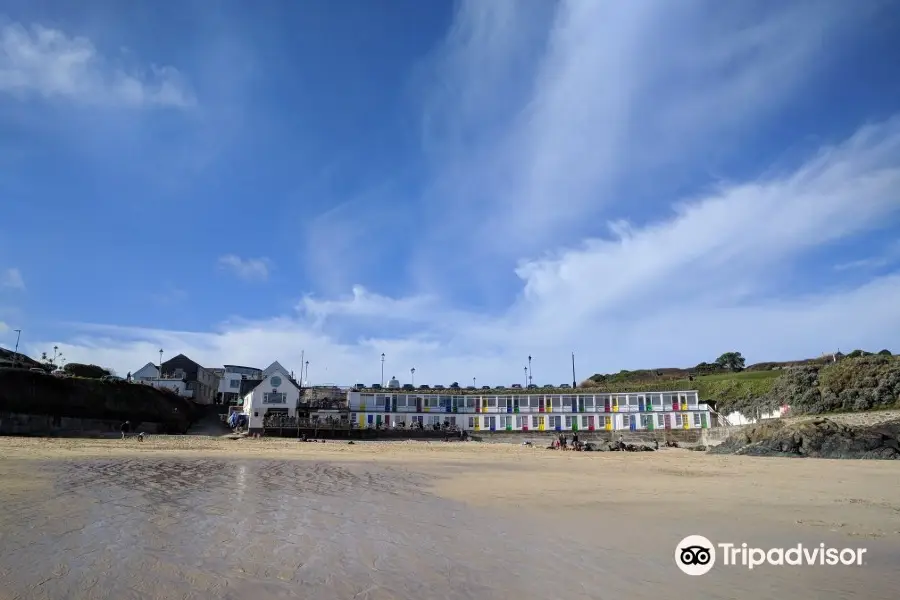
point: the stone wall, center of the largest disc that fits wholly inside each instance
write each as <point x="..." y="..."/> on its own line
<point x="45" y="425"/>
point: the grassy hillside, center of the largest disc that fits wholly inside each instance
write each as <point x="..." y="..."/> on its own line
<point x="857" y="382"/>
<point x="718" y="386"/>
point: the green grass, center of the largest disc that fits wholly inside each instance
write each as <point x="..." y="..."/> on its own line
<point x="720" y="386"/>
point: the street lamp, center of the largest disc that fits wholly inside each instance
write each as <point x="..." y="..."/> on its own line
<point x="16" y="355"/>
<point x="159" y="375"/>
<point x="307" y="373"/>
<point x="412" y="373"/>
<point x="473" y="382"/>
<point x="526" y="376"/>
<point x="382" y="369"/>
<point x="529" y="370"/>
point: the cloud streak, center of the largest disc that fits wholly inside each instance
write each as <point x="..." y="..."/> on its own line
<point x="248" y="269"/>
<point x="12" y="278"/>
<point x="45" y="62"/>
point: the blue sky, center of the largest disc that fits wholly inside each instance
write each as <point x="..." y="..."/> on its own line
<point x="457" y="185"/>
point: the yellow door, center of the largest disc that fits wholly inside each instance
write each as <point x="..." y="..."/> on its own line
<point x="362" y="419"/>
<point x="541" y="423"/>
<point x="685" y="421"/>
<point x="477" y="421"/>
<point x="607" y="423"/>
<point x="615" y="404"/>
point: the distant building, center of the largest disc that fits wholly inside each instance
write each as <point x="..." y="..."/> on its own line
<point x="229" y="391"/>
<point x="276" y="392"/>
<point x="394" y="383"/>
<point x="530" y="410"/>
<point x="146" y="373"/>
<point x="201" y="381"/>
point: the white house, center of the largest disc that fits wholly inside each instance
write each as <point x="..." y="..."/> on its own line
<point x="737" y="418"/>
<point x="148" y="371"/>
<point x="276" y="392"/>
<point x="230" y="382"/>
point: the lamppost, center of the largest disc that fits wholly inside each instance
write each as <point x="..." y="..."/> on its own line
<point x="574" y="385"/>
<point x="412" y="374"/>
<point x="159" y="375"/>
<point x="529" y="370"/>
<point x="16" y="355"/>
<point x="382" y="369"/>
<point x="473" y="382"/>
<point x="307" y="373"/>
<point x="526" y="376"/>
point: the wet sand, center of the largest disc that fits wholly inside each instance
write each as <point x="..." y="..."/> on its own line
<point x="199" y="518"/>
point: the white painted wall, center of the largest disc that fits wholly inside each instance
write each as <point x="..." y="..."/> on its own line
<point x="148" y="371"/>
<point x="176" y="385"/>
<point x="256" y="405"/>
<point x="737" y="418"/>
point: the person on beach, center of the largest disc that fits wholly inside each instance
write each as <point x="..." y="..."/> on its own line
<point x="126" y="427"/>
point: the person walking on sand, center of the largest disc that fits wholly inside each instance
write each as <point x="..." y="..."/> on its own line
<point x="126" y="427"/>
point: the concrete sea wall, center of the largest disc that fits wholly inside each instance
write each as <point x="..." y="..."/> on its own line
<point x="50" y="426"/>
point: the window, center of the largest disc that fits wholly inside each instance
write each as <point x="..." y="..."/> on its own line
<point x="534" y="422"/>
<point x="502" y="401"/>
<point x="535" y="401"/>
<point x="489" y="422"/>
<point x="660" y="420"/>
<point x="696" y="419"/>
<point x="235" y="384"/>
<point x="379" y="401"/>
<point x="274" y="398"/>
<point x="589" y="403"/>
<point x="470" y="402"/>
<point x="472" y="422"/>
<point x="678" y="419"/>
<point x="568" y="422"/>
<point x="555" y="421"/>
<point x="505" y="421"/>
<point x="555" y="402"/>
<point x="435" y="419"/>
<point x="492" y="402"/>
<point x="627" y="420"/>
<point x="645" y="421"/>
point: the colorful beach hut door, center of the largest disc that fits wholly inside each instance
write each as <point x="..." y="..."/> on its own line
<point x="541" y="423"/>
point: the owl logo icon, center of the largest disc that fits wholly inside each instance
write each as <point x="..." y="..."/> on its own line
<point x="695" y="555"/>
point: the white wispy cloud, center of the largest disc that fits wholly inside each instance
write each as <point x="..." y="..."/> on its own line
<point x="557" y="135"/>
<point x="47" y="62"/>
<point x="12" y="278"/>
<point x="250" y="269"/>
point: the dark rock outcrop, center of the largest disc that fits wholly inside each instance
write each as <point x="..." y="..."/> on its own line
<point x="816" y="438"/>
<point x="29" y="392"/>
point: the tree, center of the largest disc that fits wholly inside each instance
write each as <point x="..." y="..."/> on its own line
<point x="732" y="361"/>
<point x="885" y="352"/>
<point x="87" y="371"/>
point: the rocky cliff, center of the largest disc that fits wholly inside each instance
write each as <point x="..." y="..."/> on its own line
<point x="29" y="392"/>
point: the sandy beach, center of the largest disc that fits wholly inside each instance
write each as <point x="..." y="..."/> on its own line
<point x="193" y="517"/>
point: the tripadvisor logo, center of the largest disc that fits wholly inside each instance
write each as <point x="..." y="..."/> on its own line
<point x="696" y="555"/>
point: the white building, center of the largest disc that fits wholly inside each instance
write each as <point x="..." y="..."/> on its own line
<point x="230" y="382"/>
<point x="148" y="371"/>
<point x="275" y="393"/>
<point x="737" y="418"/>
<point x="531" y="410"/>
